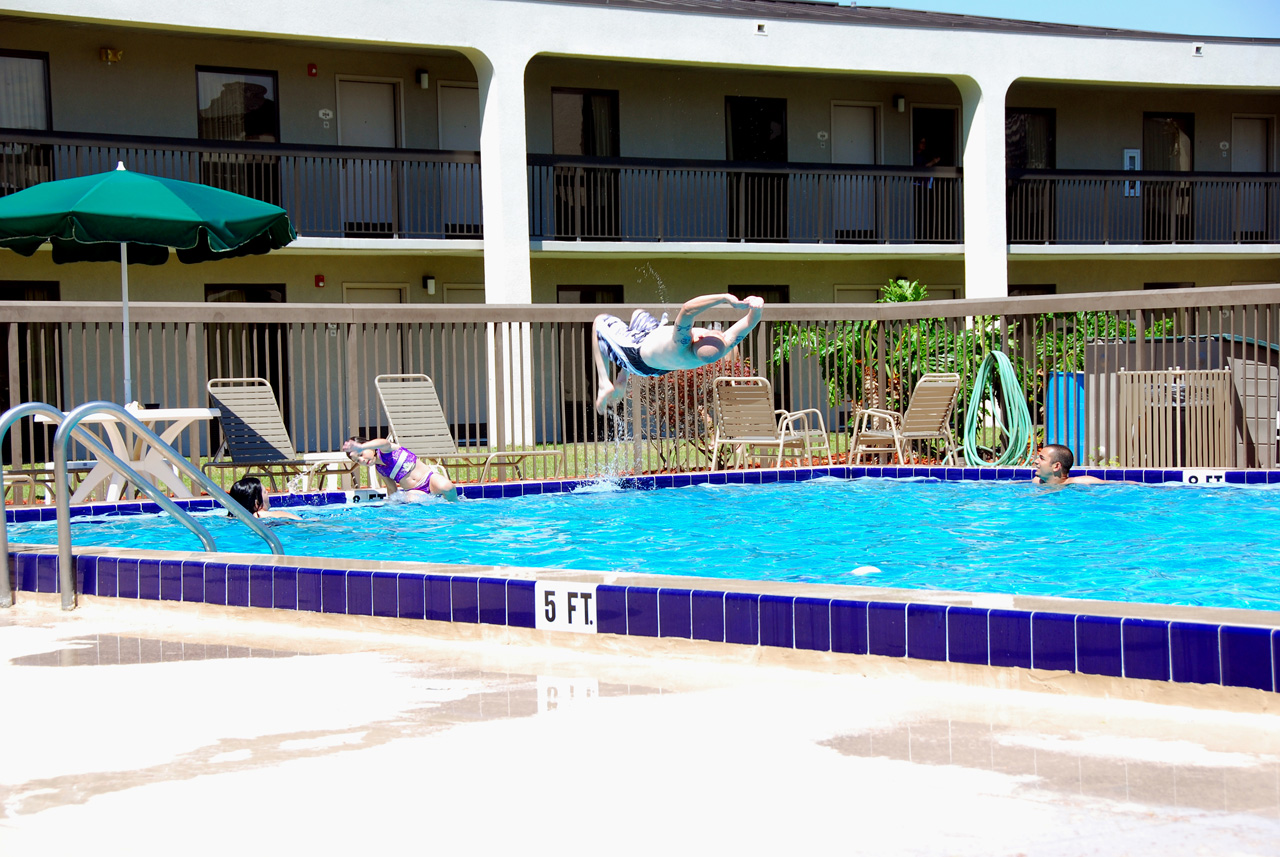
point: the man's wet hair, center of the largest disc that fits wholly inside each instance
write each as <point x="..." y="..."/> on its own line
<point x="1062" y="455"/>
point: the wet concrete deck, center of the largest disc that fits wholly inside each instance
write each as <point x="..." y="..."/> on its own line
<point x="140" y="732"/>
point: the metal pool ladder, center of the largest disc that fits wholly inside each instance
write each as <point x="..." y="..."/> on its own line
<point x="68" y="426"/>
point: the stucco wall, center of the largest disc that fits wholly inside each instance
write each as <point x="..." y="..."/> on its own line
<point x="667" y="112"/>
<point x="174" y="281"/>
<point x="1096" y="124"/>
<point x="152" y="91"/>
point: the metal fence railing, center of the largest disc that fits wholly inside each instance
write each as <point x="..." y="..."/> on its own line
<point x="329" y="191"/>
<point x="1084" y="207"/>
<point x="658" y="199"/>
<point x="521" y="377"/>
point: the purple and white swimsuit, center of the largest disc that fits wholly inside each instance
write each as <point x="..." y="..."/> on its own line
<point x="398" y="464"/>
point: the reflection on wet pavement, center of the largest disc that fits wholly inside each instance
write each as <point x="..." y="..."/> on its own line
<point x="452" y="696"/>
<point x="1078" y="763"/>
<point x="110" y="649"/>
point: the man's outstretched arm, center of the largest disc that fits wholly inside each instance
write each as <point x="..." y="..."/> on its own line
<point x="743" y="326"/>
<point x="695" y="307"/>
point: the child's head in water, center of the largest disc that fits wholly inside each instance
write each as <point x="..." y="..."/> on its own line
<point x="248" y="493"/>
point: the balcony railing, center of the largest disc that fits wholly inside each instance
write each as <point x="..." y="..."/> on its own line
<point x="646" y="199"/>
<point x="329" y="191"/>
<point x="1080" y="207"/>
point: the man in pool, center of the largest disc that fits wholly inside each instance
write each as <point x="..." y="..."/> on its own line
<point x="416" y="478"/>
<point x="1053" y="465"/>
<point x="650" y="347"/>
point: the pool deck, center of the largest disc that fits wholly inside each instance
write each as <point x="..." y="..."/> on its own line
<point x="1200" y="656"/>
<point x="134" y="725"/>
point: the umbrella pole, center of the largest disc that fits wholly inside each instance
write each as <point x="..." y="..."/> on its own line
<point x="124" y="300"/>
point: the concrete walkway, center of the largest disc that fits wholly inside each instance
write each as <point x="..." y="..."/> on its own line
<point x="138" y="733"/>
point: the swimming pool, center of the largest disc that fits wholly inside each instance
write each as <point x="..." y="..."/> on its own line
<point x="1163" y="544"/>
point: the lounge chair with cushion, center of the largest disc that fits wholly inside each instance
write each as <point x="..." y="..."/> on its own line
<point x="927" y="417"/>
<point x="256" y="441"/>
<point x="417" y="421"/>
<point x="747" y="422"/>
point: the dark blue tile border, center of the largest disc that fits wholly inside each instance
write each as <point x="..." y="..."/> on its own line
<point x="927" y="632"/>
<point x="1246" y="657"/>
<point x="812" y="623"/>
<point x="967" y="635"/>
<point x="1193" y="653"/>
<point x="849" y="627"/>
<point x="675" y="613"/>
<point x="1098" y="645"/>
<point x="1010" y="632"/>
<point x="642" y="611"/>
<point x="1053" y="641"/>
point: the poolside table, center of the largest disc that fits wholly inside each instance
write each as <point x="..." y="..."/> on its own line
<point x="143" y="456"/>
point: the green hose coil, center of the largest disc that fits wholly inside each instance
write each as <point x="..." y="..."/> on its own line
<point x="1019" y="431"/>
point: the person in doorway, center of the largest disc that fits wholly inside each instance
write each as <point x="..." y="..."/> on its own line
<point x="922" y="157"/>
<point x="248" y="492"/>
<point x="1053" y="465"/>
<point x="398" y="464"/>
<point x="650" y="347"/>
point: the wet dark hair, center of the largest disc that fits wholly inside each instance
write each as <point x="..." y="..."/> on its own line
<point x="1062" y="455"/>
<point x="248" y="493"/>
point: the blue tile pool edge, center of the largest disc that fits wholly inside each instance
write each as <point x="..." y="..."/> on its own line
<point x="1130" y="647"/>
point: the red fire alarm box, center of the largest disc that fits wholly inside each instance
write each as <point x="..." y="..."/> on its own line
<point x="319" y="281"/>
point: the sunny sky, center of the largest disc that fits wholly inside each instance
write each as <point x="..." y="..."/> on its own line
<point x="1256" y="18"/>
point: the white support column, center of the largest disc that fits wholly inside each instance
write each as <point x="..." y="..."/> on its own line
<point x="507" y="278"/>
<point x="504" y="183"/>
<point x="986" y="247"/>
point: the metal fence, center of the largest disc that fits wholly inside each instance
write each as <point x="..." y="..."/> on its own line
<point x="329" y="191"/>
<point x="521" y="377"/>
<point x="1082" y="207"/>
<point x="658" y="199"/>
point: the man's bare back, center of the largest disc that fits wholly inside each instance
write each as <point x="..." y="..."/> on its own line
<point x="667" y="348"/>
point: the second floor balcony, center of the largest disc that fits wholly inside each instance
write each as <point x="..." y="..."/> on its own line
<point x="643" y="199"/>
<point x="349" y="192"/>
<point x="1118" y="207"/>
<point x="329" y="191"/>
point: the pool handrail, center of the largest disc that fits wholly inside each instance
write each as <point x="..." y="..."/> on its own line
<point x="11" y="416"/>
<point x="61" y="442"/>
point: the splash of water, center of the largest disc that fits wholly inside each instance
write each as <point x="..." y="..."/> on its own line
<point x="617" y="439"/>
<point x="648" y="274"/>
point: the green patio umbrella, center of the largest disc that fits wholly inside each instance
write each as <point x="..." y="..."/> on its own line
<point x="127" y="217"/>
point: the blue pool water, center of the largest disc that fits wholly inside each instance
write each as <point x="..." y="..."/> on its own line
<point x="1167" y="544"/>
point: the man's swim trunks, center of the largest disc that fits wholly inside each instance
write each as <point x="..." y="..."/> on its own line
<point x="622" y="341"/>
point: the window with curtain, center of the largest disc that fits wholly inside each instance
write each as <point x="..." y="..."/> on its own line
<point x="584" y="122"/>
<point x="1029" y="139"/>
<point x="24" y="90"/>
<point x="238" y="104"/>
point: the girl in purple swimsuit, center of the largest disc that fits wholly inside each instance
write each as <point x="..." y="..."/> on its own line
<point x="398" y="464"/>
